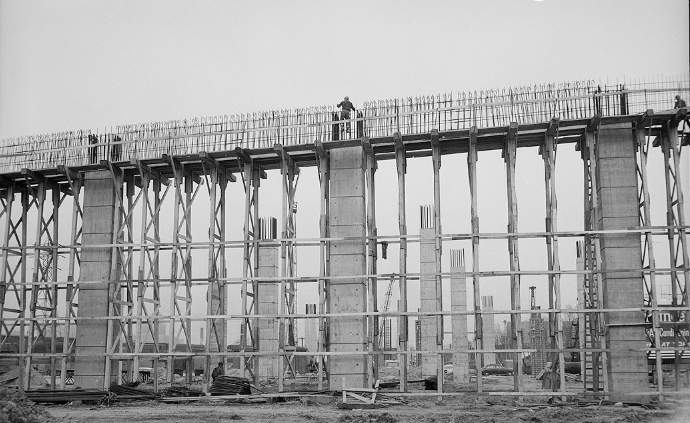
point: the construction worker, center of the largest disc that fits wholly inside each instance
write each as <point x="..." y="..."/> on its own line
<point x="93" y="150"/>
<point x="345" y="114"/>
<point x="680" y="104"/>
<point x="218" y="371"/>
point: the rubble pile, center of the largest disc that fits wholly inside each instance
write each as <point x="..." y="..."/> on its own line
<point x="15" y="407"/>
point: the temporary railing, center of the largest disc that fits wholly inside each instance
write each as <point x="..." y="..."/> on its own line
<point x="383" y="118"/>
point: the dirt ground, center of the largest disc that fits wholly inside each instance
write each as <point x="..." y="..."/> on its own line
<point x="323" y="409"/>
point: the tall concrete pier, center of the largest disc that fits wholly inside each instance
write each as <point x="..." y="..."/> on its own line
<point x="95" y="277"/>
<point x="427" y="292"/>
<point x="347" y="295"/>
<point x="458" y="303"/>
<point x="489" y="329"/>
<point x="268" y="302"/>
<point x="621" y="254"/>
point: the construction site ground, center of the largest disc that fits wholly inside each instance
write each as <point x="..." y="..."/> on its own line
<point x="324" y="408"/>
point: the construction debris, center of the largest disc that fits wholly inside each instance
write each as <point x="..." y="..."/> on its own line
<point x="181" y="391"/>
<point x="124" y="392"/>
<point x="229" y="385"/>
<point x="16" y="407"/>
<point x="67" y="396"/>
<point x="11" y="378"/>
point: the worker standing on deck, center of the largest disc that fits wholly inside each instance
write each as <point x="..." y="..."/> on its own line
<point x="345" y="114"/>
<point x="218" y="371"/>
<point x="680" y="104"/>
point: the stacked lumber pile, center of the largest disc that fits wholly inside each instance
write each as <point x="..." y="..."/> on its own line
<point x="124" y="392"/>
<point x="228" y="385"/>
<point x="181" y="391"/>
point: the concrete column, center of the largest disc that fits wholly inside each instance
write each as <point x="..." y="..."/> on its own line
<point x="99" y="208"/>
<point x="489" y="329"/>
<point x="621" y="253"/>
<point x="311" y="330"/>
<point x="458" y="302"/>
<point x="427" y="298"/>
<point x="268" y="295"/>
<point x="347" y="218"/>
<point x="537" y="336"/>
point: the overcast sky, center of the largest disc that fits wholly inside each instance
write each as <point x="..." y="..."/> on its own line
<point x="71" y="65"/>
<point x="94" y="64"/>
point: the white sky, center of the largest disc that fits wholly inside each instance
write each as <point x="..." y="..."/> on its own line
<point x="71" y="65"/>
<point x="94" y="64"/>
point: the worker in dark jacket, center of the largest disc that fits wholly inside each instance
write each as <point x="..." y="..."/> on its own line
<point x="680" y="104"/>
<point x="347" y="107"/>
<point x="218" y="371"/>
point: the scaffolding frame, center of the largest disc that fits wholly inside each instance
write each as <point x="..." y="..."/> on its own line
<point x="132" y="313"/>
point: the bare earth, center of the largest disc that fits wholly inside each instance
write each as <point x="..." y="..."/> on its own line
<point x="325" y="410"/>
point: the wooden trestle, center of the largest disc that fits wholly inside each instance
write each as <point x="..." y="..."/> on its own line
<point x="32" y="309"/>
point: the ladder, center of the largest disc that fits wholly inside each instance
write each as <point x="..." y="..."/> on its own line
<point x="593" y="378"/>
<point x="386" y="305"/>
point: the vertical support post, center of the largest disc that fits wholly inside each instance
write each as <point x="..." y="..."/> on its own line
<point x="141" y="276"/>
<point x="246" y="266"/>
<point x="38" y="197"/>
<point x="154" y="273"/>
<point x="324" y="253"/>
<point x="13" y="275"/>
<point x="255" y="272"/>
<point x="181" y="266"/>
<point x="509" y="155"/>
<point x="149" y="273"/>
<point x="677" y="237"/>
<point x="216" y="302"/>
<point x="53" y="296"/>
<point x="114" y="284"/>
<point x="401" y="165"/>
<point x="75" y="183"/>
<point x="23" y="382"/>
<point x="178" y="180"/>
<point x="288" y="288"/>
<point x="596" y="372"/>
<point x="128" y="277"/>
<point x="436" y="159"/>
<point x="643" y="140"/>
<point x="478" y="332"/>
<point x="553" y="260"/>
<point x="372" y="296"/>
<point x="6" y="286"/>
<point x="122" y="269"/>
<point x="249" y="328"/>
